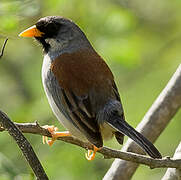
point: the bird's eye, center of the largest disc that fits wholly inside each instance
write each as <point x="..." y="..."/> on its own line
<point x="52" y="29"/>
<point x="49" y="28"/>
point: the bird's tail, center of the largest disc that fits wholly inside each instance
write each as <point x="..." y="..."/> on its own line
<point x="122" y="126"/>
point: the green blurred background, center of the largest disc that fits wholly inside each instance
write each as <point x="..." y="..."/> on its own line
<point x="140" y="41"/>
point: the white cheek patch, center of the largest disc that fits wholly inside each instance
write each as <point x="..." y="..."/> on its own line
<point x="55" y="45"/>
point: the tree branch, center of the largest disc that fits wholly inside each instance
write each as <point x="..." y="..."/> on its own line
<point x="35" y="128"/>
<point x="173" y="173"/>
<point x="24" y="145"/>
<point x="152" y="125"/>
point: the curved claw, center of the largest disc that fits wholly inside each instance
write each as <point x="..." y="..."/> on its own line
<point x="54" y="133"/>
<point x="90" y="155"/>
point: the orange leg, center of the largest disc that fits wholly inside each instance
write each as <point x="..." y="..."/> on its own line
<point x="90" y="155"/>
<point x="54" y="133"/>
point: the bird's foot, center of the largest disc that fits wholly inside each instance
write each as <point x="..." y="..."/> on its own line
<point x="55" y="134"/>
<point x="90" y="155"/>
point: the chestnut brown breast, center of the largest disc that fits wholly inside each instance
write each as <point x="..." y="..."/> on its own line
<point x="82" y="71"/>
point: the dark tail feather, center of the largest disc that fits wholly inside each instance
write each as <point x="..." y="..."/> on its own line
<point x="122" y="126"/>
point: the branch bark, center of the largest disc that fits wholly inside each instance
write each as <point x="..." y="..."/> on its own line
<point x="152" y="125"/>
<point x="24" y="145"/>
<point x="173" y="173"/>
<point x="108" y="153"/>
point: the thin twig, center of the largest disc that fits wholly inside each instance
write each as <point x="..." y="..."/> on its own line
<point x="108" y="153"/>
<point x="24" y="145"/>
<point x="2" y="50"/>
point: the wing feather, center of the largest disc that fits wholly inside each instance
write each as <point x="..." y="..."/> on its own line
<point x="76" y="109"/>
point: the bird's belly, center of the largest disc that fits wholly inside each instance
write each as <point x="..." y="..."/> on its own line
<point x="107" y="131"/>
<point x="62" y="119"/>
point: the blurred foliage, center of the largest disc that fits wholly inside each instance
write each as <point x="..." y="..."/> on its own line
<point x="139" y="40"/>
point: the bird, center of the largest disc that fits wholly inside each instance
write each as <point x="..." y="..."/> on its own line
<point x="80" y="87"/>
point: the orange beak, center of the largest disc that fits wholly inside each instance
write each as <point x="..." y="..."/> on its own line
<point x="31" y="32"/>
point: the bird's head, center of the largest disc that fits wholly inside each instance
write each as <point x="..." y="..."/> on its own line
<point x="57" y="35"/>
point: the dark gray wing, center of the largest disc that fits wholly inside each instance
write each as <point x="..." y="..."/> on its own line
<point x="76" y="109"/>
<point x="119" y="136"/>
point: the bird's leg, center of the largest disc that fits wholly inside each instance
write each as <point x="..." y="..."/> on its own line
<point x="55" y="134"/>
<point x="90" y="155"/>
